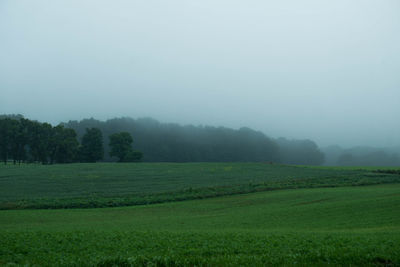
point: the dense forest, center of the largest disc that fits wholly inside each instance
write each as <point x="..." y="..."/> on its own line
<point x="304" y="152"/>
<point x="160" y="142"/>
<point x="24" y="140"/>
<point x="171" y="142"/>
<point x="88" y="140"/>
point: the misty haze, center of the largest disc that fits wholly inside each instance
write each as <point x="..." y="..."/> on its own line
<point x="199" y="133"/>
<point x="320" y="70"/>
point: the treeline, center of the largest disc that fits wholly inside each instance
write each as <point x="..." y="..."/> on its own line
<point x="23" y="140"/>
<point x="111" y="140"/>
<point x="304" y="152"/>
<point x="166" y="142"/>
<point x="169" y="142"/>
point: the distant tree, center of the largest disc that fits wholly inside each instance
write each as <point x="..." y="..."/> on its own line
<point x="92" y="149"/>
<point x="40" y="140"/>
<point x="300" y="152"/>
<point x="134" y="156"/>
<point x="7" y="130"/>
<point x="63" y="145"/>
<point x="175" y="143"/>
<point x="43" y="142"/>
<point x="68" y="148"/>
<point x="121" y="147"/>
<point x="19" y="140"/>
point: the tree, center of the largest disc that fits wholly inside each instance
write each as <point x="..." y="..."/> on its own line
<point x="40" y="135"/>
<point x="6" y="135"/>
<point x="121" y="147"/>
<point x="38" y="139"/>
<point x="92" y="148"/>
<point x="300" y="152"/>
<point x="63" y="146"/>
<point x="134" y="156"/>
<point x="19" y="140"/>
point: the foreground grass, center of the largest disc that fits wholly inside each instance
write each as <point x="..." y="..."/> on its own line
<point x="198" y="249"/>
<point x="335" y="226"/>
<point x="110" y="185"/>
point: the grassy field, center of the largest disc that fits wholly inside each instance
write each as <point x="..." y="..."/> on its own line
<point x="343" y="226"/>
<point x="110" y="185"/>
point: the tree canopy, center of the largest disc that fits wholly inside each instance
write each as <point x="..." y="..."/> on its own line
<point x="91" y="149"/>
<point x="121" y="147"/>
<point x="25" y="140"/>
<point x="170" y="142"/>
<point x="31" y="141"/>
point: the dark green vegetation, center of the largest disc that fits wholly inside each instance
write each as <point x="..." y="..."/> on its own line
<point x="345" y="226"/>
<point x="121" y="147"/>
<point x="265" y="214"/>
<point x="23" y="140"/>
<point x="168" y="142"/>
<point x="112" y="184"/>
<point x="91" y="149"/>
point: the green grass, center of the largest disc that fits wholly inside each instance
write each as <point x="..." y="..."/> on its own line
<point x="321" y="226"/>
<point x="319" y="216"/>
<point x="319" y="209"/>
<point x="109" y="185"/>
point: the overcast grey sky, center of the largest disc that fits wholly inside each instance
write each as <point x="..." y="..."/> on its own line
<point x="319" y="69"/>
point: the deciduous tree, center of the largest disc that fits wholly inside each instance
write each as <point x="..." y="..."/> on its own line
<point x="92" y="148"/>
<point x="121" y="147"/>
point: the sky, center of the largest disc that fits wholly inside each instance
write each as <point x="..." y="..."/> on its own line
<point x="323" y="70"/>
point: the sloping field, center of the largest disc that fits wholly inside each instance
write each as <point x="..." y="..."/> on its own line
<point x="320" y="226"/>
<point x="109" y="185"/>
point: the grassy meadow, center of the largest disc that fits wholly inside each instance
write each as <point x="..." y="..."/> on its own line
<point x="351" y="220"/>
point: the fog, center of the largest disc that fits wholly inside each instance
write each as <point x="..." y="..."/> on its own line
<point x="323" y="70"/>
